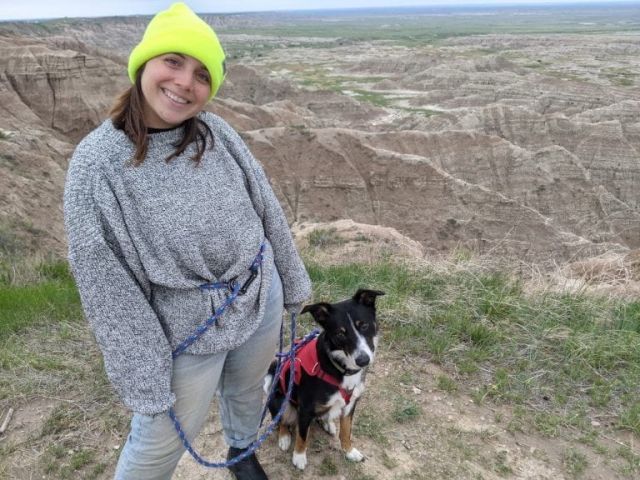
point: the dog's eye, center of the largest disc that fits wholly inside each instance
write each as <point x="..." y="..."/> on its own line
<point x="362" y="326"/>
<point x="341" y="334"/>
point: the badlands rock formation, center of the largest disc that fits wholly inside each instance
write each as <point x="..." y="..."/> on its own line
<point x="49" y="97"/>
<point x="524" y="146"/>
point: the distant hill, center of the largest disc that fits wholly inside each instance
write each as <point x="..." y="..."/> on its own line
<point x="520" y="145"/>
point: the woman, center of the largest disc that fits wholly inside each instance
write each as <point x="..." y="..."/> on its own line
<point x="168" y="216"/>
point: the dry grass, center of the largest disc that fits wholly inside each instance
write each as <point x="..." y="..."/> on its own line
<point x="464" y="338"/>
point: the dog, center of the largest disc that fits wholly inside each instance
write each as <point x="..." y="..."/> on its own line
<point x="329" y="375"/>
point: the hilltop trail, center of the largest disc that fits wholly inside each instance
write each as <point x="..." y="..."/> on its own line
<point x="452" y="437"/>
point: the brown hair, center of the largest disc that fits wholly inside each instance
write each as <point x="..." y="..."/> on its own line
<point x="127" y="114"/>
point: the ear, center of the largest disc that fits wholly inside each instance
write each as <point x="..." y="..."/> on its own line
<point x="367" y="297"/>
<point x="320" y="311"/>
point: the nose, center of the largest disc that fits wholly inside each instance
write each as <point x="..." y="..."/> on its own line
<point x="362" y="360"/>
<point x="185" y="79"/>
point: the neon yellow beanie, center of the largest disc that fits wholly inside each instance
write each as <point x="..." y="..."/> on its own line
<point x="180" y="30"/>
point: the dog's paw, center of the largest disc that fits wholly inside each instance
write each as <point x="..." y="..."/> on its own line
<point x="329" y="427"/>
<point x="354" y="455"/>
<point x="284" y="442"/>
<point x="299" y="460"/>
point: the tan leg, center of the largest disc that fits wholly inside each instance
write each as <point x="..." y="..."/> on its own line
<point x="345" y="440"/>
<point x="345" y="433"/>
<point x="301" y="444"/>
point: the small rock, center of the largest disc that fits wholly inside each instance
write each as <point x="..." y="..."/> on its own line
<point x="595" y="423"/>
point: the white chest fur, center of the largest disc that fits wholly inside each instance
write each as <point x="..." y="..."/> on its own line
<point x="337" y="406"/>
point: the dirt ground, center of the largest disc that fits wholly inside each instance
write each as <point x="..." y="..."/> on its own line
<point x="450" y="435"/>
<point x="407" y="425"/>
<point x="451" y="438"/>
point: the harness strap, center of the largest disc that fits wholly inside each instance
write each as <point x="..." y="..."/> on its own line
<point x="307" y="360"/>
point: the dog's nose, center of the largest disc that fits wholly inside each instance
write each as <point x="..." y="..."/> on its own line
<point x="362" y="360"/>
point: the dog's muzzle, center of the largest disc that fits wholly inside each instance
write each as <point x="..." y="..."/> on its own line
<point x="362" y="360"/>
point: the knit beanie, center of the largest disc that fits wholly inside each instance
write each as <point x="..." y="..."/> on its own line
<point x="179" y="30"/>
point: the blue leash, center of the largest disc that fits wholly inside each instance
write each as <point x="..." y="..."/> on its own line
<point x="251" y="449"/>
<point x="237" y="290"/>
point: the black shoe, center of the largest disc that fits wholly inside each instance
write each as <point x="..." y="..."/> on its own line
<point x="247" y="469"/>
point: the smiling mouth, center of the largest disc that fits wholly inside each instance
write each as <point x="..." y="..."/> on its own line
<point x="172" y="96"/>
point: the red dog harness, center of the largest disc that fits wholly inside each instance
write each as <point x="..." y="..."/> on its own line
<point x="307" y="358"/>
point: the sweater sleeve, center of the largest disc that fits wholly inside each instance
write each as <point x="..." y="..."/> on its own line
<point x="137" y="355"/>
<point x="295" y="280"/>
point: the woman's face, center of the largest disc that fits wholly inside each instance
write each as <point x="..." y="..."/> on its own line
<point x="175" y="88"/>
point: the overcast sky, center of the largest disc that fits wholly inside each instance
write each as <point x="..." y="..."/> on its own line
<point x="28" y="9"/>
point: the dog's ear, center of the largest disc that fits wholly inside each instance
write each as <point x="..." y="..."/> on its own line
<point x="367" y="297"/>
<point x="320" y="311"/>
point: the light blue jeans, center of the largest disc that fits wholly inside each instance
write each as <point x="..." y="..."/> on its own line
<point x="153" y="449"/>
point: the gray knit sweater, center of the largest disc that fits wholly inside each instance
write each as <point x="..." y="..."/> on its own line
<point x="143" y="239"/>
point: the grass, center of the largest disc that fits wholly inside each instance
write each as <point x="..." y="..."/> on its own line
<point x="374" y="98"/>
<point x="406" y="410"/>
<point x="46" y="352"/>
<point x="556" y="359"/>
<point x="419" y="29"/>
<point x="446" y="384"/>
<point x="575" y="462"/>
<point x="51" y="297"/>
<point x="327" y="467"/>
<point x="371" y="426"/>
<point x="325" y="237"/>
<point x="501" y="465"/>
<point x="319" y="79"/>
<point x="632" y="460"/>
<point x="558" y="356"/>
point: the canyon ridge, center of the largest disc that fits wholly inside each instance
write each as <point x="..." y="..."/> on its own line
<point x="503" y="141"/>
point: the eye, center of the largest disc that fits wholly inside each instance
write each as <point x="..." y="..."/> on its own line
<point x="362" y="326"/>
<point x="203" y="76"/>
<point x="341" y="334"/>
<point x="172" y="60"/>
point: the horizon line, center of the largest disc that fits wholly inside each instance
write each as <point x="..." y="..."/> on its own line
<point x="489" y="5"/>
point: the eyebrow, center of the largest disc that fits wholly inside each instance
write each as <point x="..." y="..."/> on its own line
<point x="182" y="55"/>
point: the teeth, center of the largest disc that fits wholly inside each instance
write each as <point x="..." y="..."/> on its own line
<point x="174" y="97"/>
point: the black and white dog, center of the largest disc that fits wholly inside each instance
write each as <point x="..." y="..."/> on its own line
<point x="329" y="374"/>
